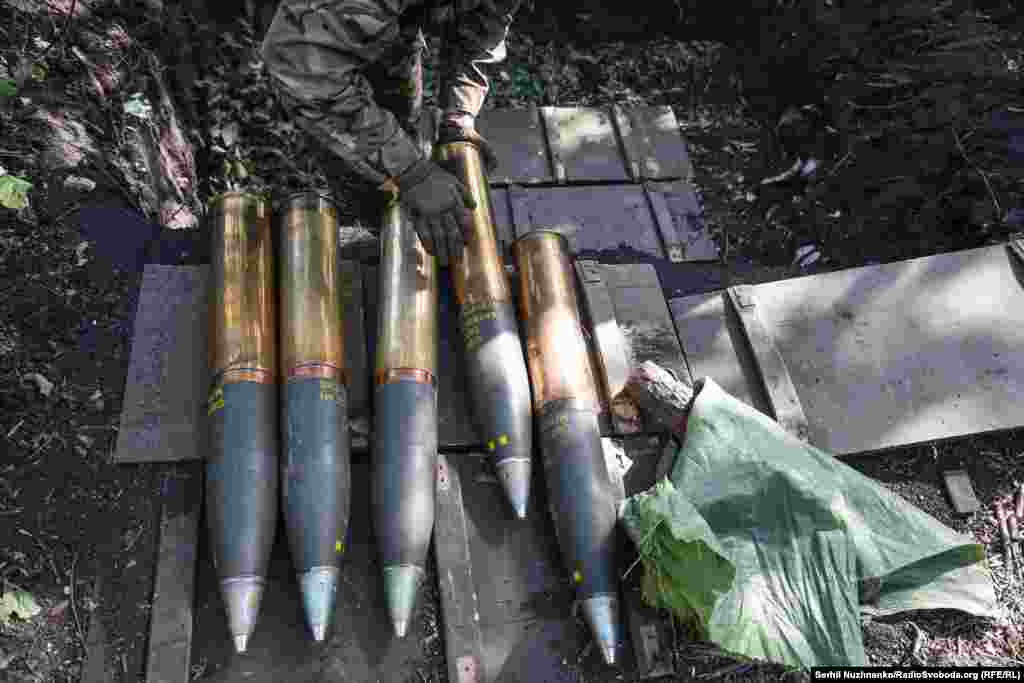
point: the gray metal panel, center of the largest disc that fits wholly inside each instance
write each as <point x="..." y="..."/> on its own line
<point x="906" y="352"/>
<point x="654" y="147"/>
<point x="594" y="219"/>
<point x="168" y="377"/>
<point x="517" y="137"/>
<point x="681" y="221"/>
<point x="583" y="143"/>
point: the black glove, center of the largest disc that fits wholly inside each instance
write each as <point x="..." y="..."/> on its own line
<point x="438" y="202"/>
<point x="464" y="131"/>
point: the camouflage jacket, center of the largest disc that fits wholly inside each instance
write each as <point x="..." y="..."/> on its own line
<point x="319" y="53"/>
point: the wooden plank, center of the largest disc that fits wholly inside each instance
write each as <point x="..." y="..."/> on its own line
<point x="611" y="350"/>
<point x="654" y="148"/>
<point x="680" y="221"/>
<point x="462" y="637"/>
<point x="96" y="668"/>
<point x="596" y="220"/>
<point x="162" y="419"/>
<point x="774" y="374"/>
<point x="503" y="229"/>
<point x="583" y="144"/>
<point x="356" y="361"/>
<point x="527" y="625"/>
<point x="456" y="426"/>
<point x="360" y="646"/>
<point x="517" y="137"/>
<point x="651" y="631"/>
<point x="170" y="629"/>
<point x="712" y="343"/>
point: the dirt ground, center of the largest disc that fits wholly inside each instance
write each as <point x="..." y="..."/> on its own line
<point x="70" y="279"/>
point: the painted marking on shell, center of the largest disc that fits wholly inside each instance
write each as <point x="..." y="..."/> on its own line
<point x="490" y="445"/>
<point x="328" y="390"/>
<point x="503" y="439"/>
<point x="577" y="576"/>
<point x="339" y="547"/>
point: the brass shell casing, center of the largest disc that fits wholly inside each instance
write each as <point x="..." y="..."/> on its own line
<point x="556" y="350"/>
<point x="478" y="273"/>
<point x="242" y="331"/>
<point x="312" y="326"/>
<point x="408" y="300"/>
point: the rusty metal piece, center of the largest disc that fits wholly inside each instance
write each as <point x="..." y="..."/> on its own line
<point x="312" y="333"/>
<point x="556" y="350"/>
<point x="407" y="310"/>
<point x="242" y="331"/>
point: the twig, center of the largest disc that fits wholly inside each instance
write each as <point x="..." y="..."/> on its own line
<point x="988" y="186"/>
<point x="74" y="607"/>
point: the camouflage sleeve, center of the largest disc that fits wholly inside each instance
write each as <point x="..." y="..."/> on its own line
<point x="316" y="53"/>
<point x="474" y="38"/>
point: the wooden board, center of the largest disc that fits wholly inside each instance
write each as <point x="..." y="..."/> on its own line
<point x="356" y="361"/>
<point x="459" y="601"/>
<point x="517" y="137"/>
<point x="771" y="366"/>
<point x="654" y="148"/>
<point x="170" y="630"/>
<point x="883" y="356"/>
<point x="583" y="144"/>
<point x="680" y="221"/>
<point x="360" y="646"/>
<point x="594" y="219"/>
<point x="629" y="323"/>
<point x="162" y="418"/>
<point x="524" y="600"/>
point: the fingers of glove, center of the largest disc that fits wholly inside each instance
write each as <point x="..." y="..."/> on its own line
<point x="440" y="230"/>
<point x="455" y="235"/>
<point x="426" y="233"/>
<point x="466" y="196"/>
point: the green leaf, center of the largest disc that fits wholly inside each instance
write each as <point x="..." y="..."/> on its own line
<point x="8" y="88"/>
<point x="19" y="604"/>
<point x="14" y="192"/>
<point x="39" y="72"/>
<point x="138" y="106"/>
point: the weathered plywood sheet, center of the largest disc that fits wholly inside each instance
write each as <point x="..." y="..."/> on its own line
<point x="517" y="137"/>
<point x="162" y="418"/>
<point x="594" y="219"/>
<point x="654" y="147"/>
<point x="583" y="143"/>
<point x="883" y="356"/>
<point x="906" y="352"/>
<point x="361" y="645"/>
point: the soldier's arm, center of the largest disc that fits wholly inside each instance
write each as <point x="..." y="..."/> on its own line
<point x="473" y="39"/>
<point x="315" y="54"/>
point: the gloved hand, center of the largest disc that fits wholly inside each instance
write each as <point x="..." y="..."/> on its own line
<point x="439" y="204"/>
<point x="462" y="128"/>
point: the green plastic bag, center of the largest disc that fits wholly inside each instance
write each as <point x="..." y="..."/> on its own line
<point x="802" y="531"/>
